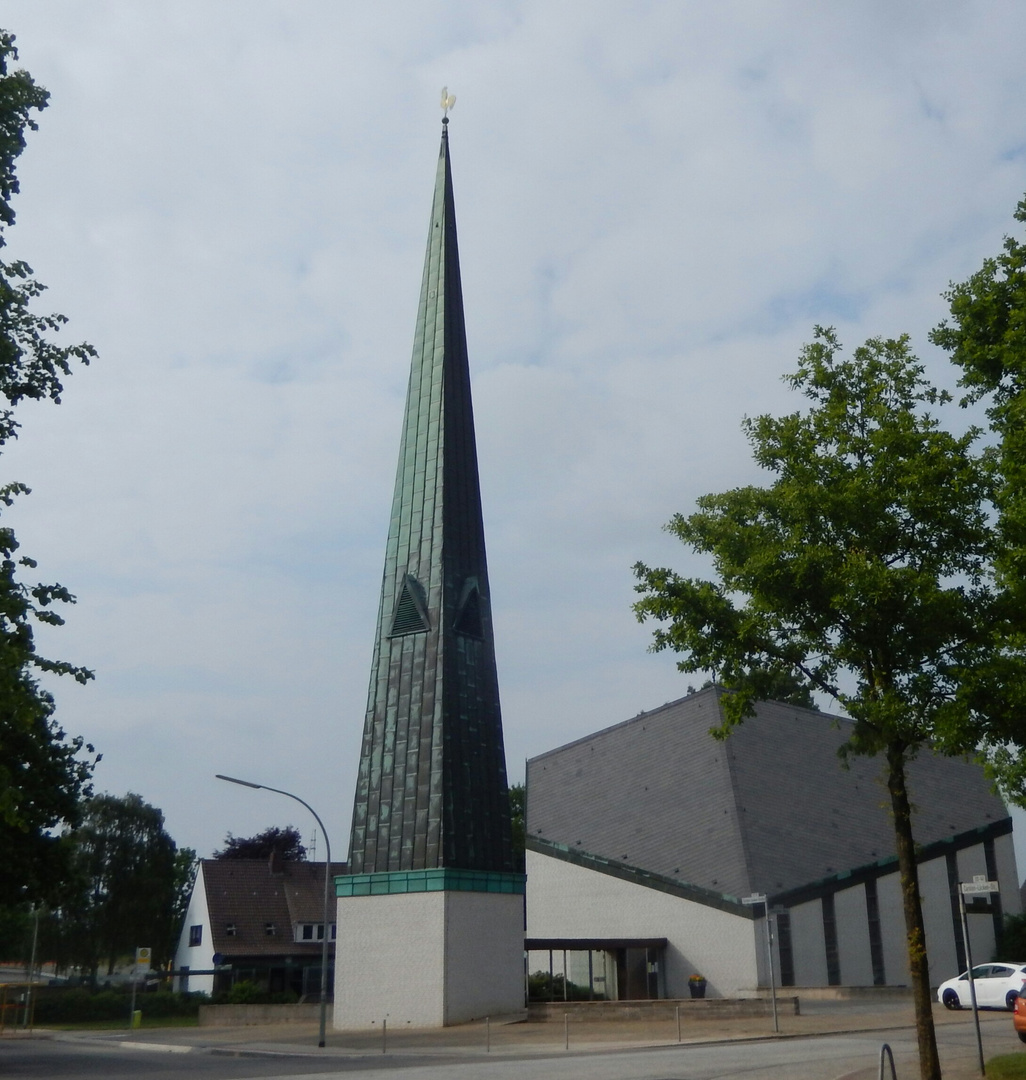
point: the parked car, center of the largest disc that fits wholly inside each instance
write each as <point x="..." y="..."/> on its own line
<point x="997" y="987"/>
<point x="1019" y="1017"/>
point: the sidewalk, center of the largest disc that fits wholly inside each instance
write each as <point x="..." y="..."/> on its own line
<point x="494" y="1041"/>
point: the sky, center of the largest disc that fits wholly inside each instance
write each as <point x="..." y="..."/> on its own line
<point x="656" y="201"/>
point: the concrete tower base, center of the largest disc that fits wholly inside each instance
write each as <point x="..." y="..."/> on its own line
<point x="432" y="957"/>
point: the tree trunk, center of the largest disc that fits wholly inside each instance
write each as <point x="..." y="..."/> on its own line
<point x="919" y="970"/>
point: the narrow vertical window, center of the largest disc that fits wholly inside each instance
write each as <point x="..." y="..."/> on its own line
<point x="785" y="948"/>
<point x="830" y="941"/>
<point x="876" y="953"/>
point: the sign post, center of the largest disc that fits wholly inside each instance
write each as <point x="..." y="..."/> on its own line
<point x="143" y="955"/>
<point x="749" y="901"/>
<point x="978" y="885"/>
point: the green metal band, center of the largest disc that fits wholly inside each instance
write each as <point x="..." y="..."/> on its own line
<point x="442" y="879"/>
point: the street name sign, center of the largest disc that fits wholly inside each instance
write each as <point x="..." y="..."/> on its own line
<point x="973" y="888"/>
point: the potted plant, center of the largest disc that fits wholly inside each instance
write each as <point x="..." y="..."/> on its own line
<point x="696" y="984"/>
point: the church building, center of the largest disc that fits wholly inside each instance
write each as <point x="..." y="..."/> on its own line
<point x="645" y="839"/>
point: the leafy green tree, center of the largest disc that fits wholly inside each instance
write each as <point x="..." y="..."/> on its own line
<point x="779" y="684"/>
<point x="287" y="842"/>
<point x="134" y="879"/>
<point x="862" y="572"/>
<point x="43" y="775"/>
<point x="986" y="337"/>
<point x="518" y="815"/>
<point x="1012" y="939"/>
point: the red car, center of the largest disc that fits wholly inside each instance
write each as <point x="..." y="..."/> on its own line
<point x="1019" y="1017"/>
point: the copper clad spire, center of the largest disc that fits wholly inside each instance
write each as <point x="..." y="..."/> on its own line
<point x="431" y="790"/>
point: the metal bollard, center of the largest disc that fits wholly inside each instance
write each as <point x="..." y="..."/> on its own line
<point x="488" y="1034"/>
<point x="566" y="1031"/>
<point x="678" y="1023"/>
<point x="384" y="1034"/>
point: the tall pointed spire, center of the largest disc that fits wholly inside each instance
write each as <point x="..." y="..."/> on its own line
<point x="431" y="791"/>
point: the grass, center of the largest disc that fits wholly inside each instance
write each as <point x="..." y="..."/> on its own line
<point x="1007" y="1067"/>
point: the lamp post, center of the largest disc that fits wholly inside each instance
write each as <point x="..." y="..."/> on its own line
<point x="327" y="874"/>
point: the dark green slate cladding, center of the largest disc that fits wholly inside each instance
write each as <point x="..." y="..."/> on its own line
<point x="431" y="790"/>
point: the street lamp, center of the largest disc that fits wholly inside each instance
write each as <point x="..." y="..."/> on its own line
<point x="327" y="874"/>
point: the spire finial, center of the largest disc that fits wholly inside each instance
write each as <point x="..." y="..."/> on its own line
<point x="448" y="100"/>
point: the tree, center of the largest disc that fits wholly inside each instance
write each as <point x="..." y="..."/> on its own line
<point x="862" y="571"/>
<point x="986" y="337"/>
<point x="133" y="879"/>
<point x="518" y="822"/>
<point x="780" y="684"/>
<point x="1012" y="939"/>
<point x="286" y="842"/>
<point x="43" y="776"/>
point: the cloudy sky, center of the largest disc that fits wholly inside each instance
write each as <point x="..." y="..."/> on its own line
<point x="657" y="201"/>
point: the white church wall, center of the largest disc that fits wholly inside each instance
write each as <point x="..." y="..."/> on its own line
<point x="484" y="955"/>
<point x="565" y="900"/>
<point x="973" y="863"/>
<point x="892" y="930"/>
<point x="940" y="937"/>
<point x="1008" y="875"/>
<point x="427" y="959"/>
<point x="389" y="959"/>
<point x="853" y="952"/>
<point x="807" y="944"/>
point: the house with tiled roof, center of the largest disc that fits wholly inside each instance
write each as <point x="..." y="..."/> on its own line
<point x="644" y="840"/>
<point x="256" y="919"/>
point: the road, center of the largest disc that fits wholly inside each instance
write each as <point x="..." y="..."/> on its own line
<point x="850" y="1056"/>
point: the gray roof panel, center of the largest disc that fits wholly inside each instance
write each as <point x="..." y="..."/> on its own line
<point x="769" y="809"/>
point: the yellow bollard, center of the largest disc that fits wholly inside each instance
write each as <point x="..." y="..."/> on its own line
<point x="137" y="1018"/>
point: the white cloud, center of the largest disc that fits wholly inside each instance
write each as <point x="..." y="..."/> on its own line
<point x="656" y="203"/>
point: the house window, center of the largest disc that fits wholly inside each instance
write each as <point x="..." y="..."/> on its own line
<point x="230" y="930"/>
<point x="269" y="929"/>
<point x="195" y="936"/>
<point x="312" y="931"/>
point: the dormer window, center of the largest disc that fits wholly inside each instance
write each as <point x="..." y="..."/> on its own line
<point x="312" y="932"/>
<point x="230" y="930"/>
<point x="269" y="929"/>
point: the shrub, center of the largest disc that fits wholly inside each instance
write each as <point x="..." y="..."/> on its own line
<point x="57" y="1005"/>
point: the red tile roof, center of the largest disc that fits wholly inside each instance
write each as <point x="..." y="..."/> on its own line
<point x="264" y="906"/>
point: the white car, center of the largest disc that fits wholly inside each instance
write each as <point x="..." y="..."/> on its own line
<point x="997" y="987"/>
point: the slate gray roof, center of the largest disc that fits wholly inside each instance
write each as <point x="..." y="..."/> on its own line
<point x="246" y="893"/>
<point x="769" y="809"/>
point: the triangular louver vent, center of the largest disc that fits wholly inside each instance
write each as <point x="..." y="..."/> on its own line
<point x="411" y="610"/>
<point x="468" y="617"/>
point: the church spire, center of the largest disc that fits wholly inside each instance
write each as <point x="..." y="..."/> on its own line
<point x="431" y="791"/>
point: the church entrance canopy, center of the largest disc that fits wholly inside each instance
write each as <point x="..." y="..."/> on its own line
<point x="595" y="969"/>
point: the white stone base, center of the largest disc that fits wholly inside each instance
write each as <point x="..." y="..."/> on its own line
<point x="428" y="959"/>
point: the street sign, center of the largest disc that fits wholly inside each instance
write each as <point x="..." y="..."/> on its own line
<point x="755" y="898"/>
<point x="972" y="888"/>
<point x="143" y="956"/>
